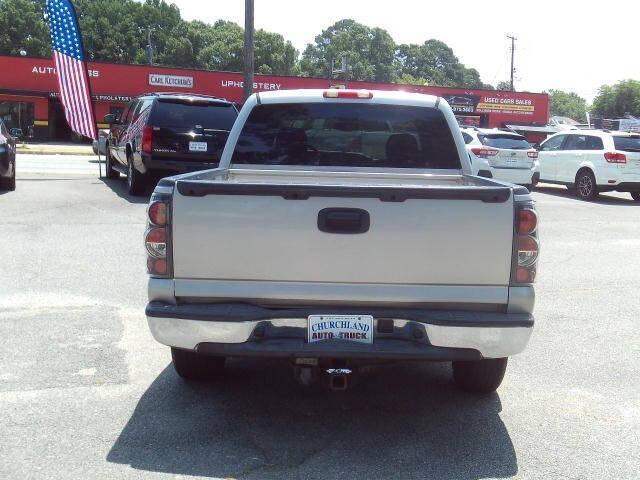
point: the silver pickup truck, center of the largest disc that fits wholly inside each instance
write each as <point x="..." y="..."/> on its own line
<point x="334" y="256"/>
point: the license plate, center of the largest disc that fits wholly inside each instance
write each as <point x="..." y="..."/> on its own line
<point x="197" y="146"/>
<point x="353" y="328"/>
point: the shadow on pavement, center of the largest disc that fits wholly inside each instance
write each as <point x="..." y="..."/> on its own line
<point x="603" y="198"/>
<point x="399" y="421"/>
<point x="119" y="187"/>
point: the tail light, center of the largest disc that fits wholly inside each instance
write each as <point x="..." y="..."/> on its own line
<point x="484" y="152"/>
<point x="533" y="154"/>
<point x="147" y="139"/>
<point x="526" y="246"/>
<point x="527" y="221"/>
<point x="352" y="94"/>
<point x="615" y="157"/>
<point x="157" y="238"/>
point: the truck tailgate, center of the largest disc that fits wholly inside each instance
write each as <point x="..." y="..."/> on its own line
<point x="422" y="234"/>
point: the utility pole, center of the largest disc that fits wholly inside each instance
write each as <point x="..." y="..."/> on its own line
<point x="248" y="48"/>
<point x="513" y="52"/>
<point x="149" y="45"/>
<point x="344" y="70"/>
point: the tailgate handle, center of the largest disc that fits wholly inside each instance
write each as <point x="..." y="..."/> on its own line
<point x="343" y="220"/>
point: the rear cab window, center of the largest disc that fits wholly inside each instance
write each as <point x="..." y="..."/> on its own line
<point x="509" y="142"/>
<point x="181" y="113"/>
<point x="627" y="144"/>
<point x="347" y="135"/>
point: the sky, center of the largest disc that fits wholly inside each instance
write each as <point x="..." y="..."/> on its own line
<point x="562" y="44"/>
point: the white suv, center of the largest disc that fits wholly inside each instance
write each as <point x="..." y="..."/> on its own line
<point x="502" y="155"/>
<point x="592" y="161"/>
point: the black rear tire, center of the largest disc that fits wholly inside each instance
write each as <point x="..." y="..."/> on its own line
<point x="136" y="181"/>
<point x="481" y="376"/>
<point x="193" y="366"/>
<point x="635" y="196"/>
<point x="586" y="187"/>
<point x="109" y="170"/>
<point x="9" y="184"/>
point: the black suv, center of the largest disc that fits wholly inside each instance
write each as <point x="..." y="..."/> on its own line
<point x="7" y="159"/>
<point x="159" y="134"/>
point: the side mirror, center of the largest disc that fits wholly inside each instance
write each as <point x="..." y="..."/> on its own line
<point x="111" y="118"/>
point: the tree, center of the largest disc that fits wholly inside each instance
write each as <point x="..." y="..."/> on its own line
<point x="370" y="52"/>
<point x="568" y="104"/>
<point x="224" y="47"/>
<point x="435" y="61"/>
<point x="618" y="100"/>
<point x="118" y="30"/>
<point x="503" y="86"/>
<point x="22" y="28"/>
<point x="274" y="55"/>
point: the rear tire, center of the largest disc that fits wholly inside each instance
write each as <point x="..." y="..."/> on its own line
<point x="635" y="196"/>
<point x="136" y="181"/>
<point x="108" y="161"/>
<point x="193" y="366"/>
<point x="9" y="184"/>
<point x="480" y="376"/>
<point x="586" y="187"/>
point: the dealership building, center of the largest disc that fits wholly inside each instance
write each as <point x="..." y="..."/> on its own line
<point x="29" y="96"/>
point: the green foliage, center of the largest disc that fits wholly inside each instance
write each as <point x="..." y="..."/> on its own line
<point x="274" y="55"/>
<point x="618" y="100"/>
<point x="370" y="52"/>
<point x="503" y="86"/>
<point x="435" y="61"/>
<point x="118" y="30"/>
<point x="22" y="28"/>
<point x="568" y="104"/>
<point x="408" y="79"/>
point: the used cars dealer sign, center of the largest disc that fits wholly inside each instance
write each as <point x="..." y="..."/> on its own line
<point x="163" y="80"/>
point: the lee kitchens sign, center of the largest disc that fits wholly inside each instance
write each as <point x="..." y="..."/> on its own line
<point x="162" y="80"/>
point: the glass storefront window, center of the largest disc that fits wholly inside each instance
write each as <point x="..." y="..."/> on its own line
<point x="18" y="115"/>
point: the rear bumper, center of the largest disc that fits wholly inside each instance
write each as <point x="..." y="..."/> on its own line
<point x="518" y="176"/>
<point x="177" y="165"/>
<point x="244" y="330"/>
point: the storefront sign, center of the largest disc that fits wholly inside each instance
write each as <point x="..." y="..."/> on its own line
<point x="256" y="85"/>
<point x="45" y="70"/>
<point x="162" y="80"/>
<point x="509" y="105"/>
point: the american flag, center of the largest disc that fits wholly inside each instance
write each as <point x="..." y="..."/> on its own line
<point x="73" y="80"/>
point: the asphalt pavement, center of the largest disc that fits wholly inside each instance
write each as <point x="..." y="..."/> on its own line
<point x="85" y="392"/>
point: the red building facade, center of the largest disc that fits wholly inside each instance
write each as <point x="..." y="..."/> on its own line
<point x="29" y="97"/>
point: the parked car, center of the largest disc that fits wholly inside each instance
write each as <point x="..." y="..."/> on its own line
<point x="7" y="159"/>
<point x="100" y="145"/>
<point x="167" y="133"/>
<point x="333" y="258"/>
<point x="592" y="161"/>
<point x="503" y="155"/>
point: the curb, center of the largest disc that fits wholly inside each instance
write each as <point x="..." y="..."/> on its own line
<point x="43" y="152"/>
